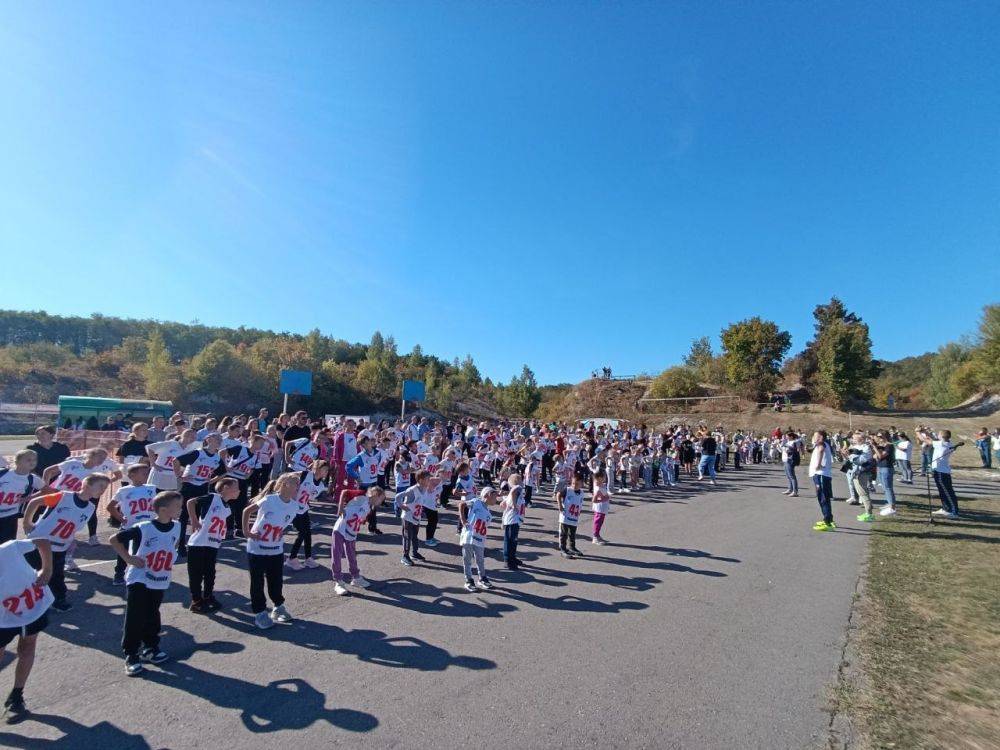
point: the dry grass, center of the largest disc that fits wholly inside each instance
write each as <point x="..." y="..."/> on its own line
<point x="929" y="637"/>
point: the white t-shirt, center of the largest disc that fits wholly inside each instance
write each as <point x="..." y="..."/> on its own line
<point x="477" y="524"/>
<point x="570" y="507"/>
<point x="941" y="458"/>
<point x="135" y="501"/>
<point x="158" y="549"/>
<point x="22" y="601"/>
<point x="213" y="525"/>
<point x="413" y="510"/>
<point x="355" y="513"/>
<point x="273" y="517"/>
<point x="821" y="462"/>
<point x="601" y="502"/>
<point x="303" y="453"/>
<point x="163" y="469"/>
<point x="14" y="489"/>
<point x="905" y="447"/>
<point x="513" y="507"/>
<point x="61" y="521"/>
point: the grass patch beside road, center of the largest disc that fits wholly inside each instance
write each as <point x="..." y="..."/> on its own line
<point x="929" y="633"/>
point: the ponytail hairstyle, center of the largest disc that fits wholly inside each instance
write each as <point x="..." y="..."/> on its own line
<point x="318" y="466"/>
<point x="268" y="489"/>
<point x="281" y="481"/>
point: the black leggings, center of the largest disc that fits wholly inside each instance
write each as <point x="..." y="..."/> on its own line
<point x="8" y="528"/>
<point x="92" y="521"/>
<point x="302" y="524"/>
<point x="201" y="571"/>
<point x="265" y="567"/>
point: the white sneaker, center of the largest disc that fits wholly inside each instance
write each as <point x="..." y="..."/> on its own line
<point x="93" y="541"/>
<point x="310" y="562"/>
<point x="293" y="563"/>
<point x="887" y="511"/>
<point x="280" y="614"/>
<point x="940" y="512"/>
<point x="360" y="581"/>
<point x="339" y="589"/>
<point x="262" y="621"/>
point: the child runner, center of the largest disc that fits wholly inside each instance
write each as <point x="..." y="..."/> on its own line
<point x="312" y="483"/>
<point x="149" y="549"/>
<point x="600" y="505"/>
<point x="271" y="514"/>
<point x="63" y="514"/>
<point x="512" y="506"/>
<point x="476" y="518"/>
<point x="209" y="516"/>
<point x="17" y="486"/>
<point x="131" y="505"/>
<point x="26" y="599"/>
<point x="570" y="504"/>
<point x="352" y="510"/>
<point x="411" y="503"/>
<point x="194" y="470"/>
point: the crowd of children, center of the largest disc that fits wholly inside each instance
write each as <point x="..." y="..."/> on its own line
<point x="253" y="480"/>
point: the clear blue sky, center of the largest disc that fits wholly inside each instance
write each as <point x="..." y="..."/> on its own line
<point x="563" y="184"/>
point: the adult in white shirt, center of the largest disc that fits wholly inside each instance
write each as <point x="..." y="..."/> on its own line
<point x="904" y="451"/>
<point x="821" y="473"/>
<point x="941" y="470"/>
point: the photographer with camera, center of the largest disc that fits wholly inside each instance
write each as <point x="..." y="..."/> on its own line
<point x="860" y="456"/>
<point x="885" y="458"/>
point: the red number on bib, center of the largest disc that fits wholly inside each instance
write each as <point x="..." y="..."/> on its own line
<point x="217" y="527"/>
<point x="159" y="560"/>
<point x="479" y="527"/>
<point x="63" y="529"/>
<point x="31" y="596"/>
<point x="204" y="471"/>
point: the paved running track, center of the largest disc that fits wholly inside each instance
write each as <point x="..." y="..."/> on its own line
<point x="715" y="619"/>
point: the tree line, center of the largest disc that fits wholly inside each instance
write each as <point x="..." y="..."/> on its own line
<point x="836" y="366"/>
<point x="233" y="369"/>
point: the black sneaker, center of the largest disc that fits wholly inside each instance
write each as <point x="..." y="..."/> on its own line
<point x="153" y="656"/>
<point x="14" y="711"/>
<point x="376" y="532"/>
<point x="576" y="552"/>
<point x="212" y="603"/>
<point x="133" y="665"/>
<point x="199" y="606"/>
<point x="417" y="556"/>
<point x="61" y="605"/>
<point x="565" y="553"/>
<point x="118" y="580"/>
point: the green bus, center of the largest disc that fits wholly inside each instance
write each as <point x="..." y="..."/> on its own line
<point x="94" y="411"/>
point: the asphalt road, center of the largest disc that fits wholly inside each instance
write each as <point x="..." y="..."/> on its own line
<point x="715" y="619"/>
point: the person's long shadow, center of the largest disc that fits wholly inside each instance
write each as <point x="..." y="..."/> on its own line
<point x="75" y="736"/>
<point x="675" y="551"/>
<point x="630" y="583"/>
<point x="666" y="566"/>
<point x="424" y="598"/>
<point x="568" y="602"/>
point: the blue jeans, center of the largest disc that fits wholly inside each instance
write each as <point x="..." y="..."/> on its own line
<point x="510" y="533"/>
<point x="925" y="462"/>
<point x="706" y="466"/>
<point x="793" y="482"/>
<point x="824" y="494"/>
<point x="984" y="453"/>
<point x="885" y="479"/>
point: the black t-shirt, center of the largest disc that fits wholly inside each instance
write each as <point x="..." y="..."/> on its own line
<point x="133" y="447"/>
<point x="294" y="432"/>
<point x="708" y="446"/>
<point x="890" y="456"/>
<point x="54" y="454"/>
